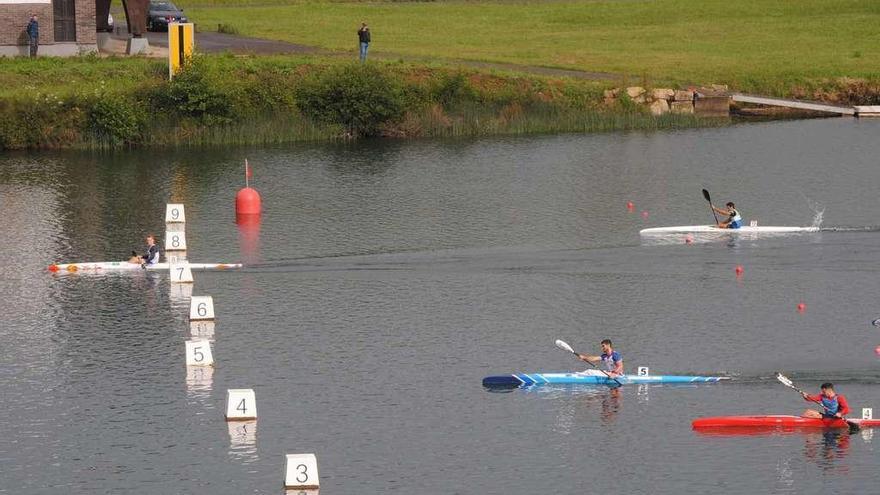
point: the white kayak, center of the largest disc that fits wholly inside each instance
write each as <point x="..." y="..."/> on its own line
<point x="703" y="229"/>
<point x="124" y="265"/>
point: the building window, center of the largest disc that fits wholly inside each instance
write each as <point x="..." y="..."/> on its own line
<point x="65" y="20"/>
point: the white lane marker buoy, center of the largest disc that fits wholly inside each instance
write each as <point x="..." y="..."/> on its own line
<point x="180" y="273"/>
<point x="876" y="322"/>
<point x="175" y="241"/>
<point x="174" y="213"/>
<point x="301" y="471"/>
<point x="198" y="353"/>
<point x="867" y="413"/>
<point x="175" y="257"/>
<point x="201" y="308"/>
<point x="643" y="371"/>
<point x="241" y="403"/>
<point x="202" y="329"/>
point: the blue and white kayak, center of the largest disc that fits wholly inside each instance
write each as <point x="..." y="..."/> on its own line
<point x="535" y="379"/>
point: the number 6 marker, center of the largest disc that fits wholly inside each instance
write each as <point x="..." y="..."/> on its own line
<point x="201" y="308"/>
<point x="241" y="403"/>
<point x="174" y="213"/>
<point x="301" y="471"/>
<point x="198" y="353"/>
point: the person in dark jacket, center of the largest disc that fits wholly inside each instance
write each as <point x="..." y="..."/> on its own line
<point x="364" y="37"/>
<point x="33" y="32"/>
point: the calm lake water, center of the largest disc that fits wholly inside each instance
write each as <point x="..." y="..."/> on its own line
<point x="388" y="278"/>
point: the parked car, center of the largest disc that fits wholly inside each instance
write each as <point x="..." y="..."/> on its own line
<point x="161" y="13"/>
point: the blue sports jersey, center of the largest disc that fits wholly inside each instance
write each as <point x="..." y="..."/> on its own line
<point x="609" y="362"/>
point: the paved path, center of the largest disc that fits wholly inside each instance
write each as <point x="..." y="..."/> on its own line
<point x="211" y="42"/>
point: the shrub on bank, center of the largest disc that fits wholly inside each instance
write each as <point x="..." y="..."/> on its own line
<point x="358" y="97"/>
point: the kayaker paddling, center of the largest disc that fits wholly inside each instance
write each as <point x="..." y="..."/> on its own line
<point x="609" y="360"/>
<point x="151" y="256"/>
<point x="734" y="220"/>
<point x="833" y="404"/>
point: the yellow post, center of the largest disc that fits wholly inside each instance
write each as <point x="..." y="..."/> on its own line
<point x="180" y="46"/>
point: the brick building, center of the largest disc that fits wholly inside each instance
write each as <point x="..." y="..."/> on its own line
<point x="67" y="27"/>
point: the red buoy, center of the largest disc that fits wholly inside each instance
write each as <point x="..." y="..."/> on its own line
<point x="645" y="215"/>
<point x="739" y="270"/>
<point x="53" y="268"/>
<point x="630" y="206"/>
<point x="801" y="307"/>
<point x="248" y="202"/>
<point x="877" y="350"/>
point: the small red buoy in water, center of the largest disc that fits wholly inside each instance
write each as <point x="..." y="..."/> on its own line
<point x="877" y="350"/>
<point x="645" y="215"/>
<point x="247" y="200"/>
<point x="689" y="239"/>
<point x="630" y="206"/>
<point x="53" y="268"/>
<point x="801" y="307"/>
<point x="738" y="270"/>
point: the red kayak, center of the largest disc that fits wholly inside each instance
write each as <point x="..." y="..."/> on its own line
<point x="777" y="421"/>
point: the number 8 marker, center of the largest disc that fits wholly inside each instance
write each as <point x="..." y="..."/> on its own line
<point x="175" y="241"/>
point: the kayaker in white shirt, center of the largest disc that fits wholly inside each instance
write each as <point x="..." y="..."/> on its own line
<point x="609" y="360"/>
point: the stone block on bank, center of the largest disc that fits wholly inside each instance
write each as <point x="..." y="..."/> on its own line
<point x="659" y="107"/>
<point x="681" y="107"/>
<point x="684" y="95"/>
<point x="611" y="93"/>
<point x="712" y="105"/>
<point x="635" y="91"/>
<point x="663" y="94"/>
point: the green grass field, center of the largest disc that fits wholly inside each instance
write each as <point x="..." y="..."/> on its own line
<point x="750" y="44"/>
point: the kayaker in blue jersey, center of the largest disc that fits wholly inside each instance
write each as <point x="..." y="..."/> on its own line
<point x="835" y="404"/>
<point x="734" y="220"/>
<point x="151" y="256"/>
<point x="609" y="360"/>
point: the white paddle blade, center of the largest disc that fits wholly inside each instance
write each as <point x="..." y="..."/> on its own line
<point x="784" y="380"/>
<point x="565" y="347"/>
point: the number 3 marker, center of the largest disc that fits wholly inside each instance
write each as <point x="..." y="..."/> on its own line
<point x="301" y="471"/>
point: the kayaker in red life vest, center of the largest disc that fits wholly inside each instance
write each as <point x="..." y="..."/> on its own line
<point x="610" y="360"/>
<point x="835" y="404"/>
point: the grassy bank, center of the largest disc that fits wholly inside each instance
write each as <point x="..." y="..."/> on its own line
<point x="774" y="47"/>
<point x="115" y="102"/>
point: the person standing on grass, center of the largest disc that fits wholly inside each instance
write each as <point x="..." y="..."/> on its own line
<point x="33" y="32"/>
<point x="364" y="37"/>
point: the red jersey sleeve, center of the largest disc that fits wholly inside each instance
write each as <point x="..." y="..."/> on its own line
<point x="842" y="405"/>
<point x="813" y="398"/>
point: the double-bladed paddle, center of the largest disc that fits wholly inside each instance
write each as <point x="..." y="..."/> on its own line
<point x="709" y="199"/>
<point x="565" y="347"/>
<point x="853" y="426"/>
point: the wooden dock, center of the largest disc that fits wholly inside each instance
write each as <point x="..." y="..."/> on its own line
<point x="799" y="104"/>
